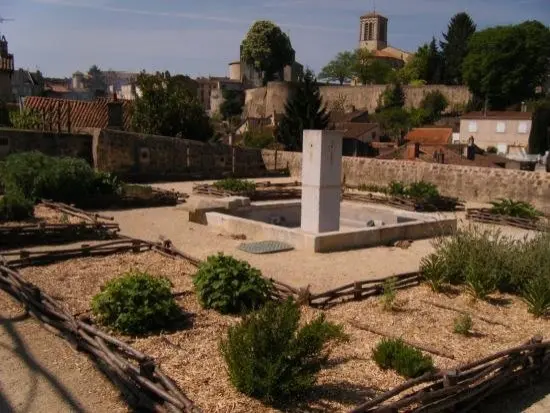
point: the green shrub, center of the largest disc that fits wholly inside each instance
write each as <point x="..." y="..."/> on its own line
<point x="463" y="324"/>
<point x="388" y="295"/>
<point x="15" y="207"/>
<point x="422" y="190"/>
<point x="406" y="360"/>
<point x="434" y="272"/>
<point x="105" y="183"/>
<point x="228" y="285"/>
<point x="19" y="172"/>
<point x="235" y="185"/>
<point x="492" y="149"/>
<point x="67" y="180"/>
<point x="513" y="208"/>
<point x="536" y="294"/>
<point x="136" y="303"/>
<point x="396" y="188"/>
<point x="271" y="358"/>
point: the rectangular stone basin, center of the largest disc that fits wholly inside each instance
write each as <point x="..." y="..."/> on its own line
<point x="361" y="225"/>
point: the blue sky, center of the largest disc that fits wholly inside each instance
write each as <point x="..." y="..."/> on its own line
<point x="200" y="37"/>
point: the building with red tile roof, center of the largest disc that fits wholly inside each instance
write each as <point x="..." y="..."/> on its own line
<point x="76" y="114"/>
<point x="440" y="136"/>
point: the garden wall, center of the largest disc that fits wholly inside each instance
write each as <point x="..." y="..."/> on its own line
<point x="469" y="183"/>
<point x="149" y="157"/>
<point x="50" y="143"/>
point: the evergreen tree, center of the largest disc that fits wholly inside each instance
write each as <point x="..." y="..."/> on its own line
<point x="393" y="97"/>
<point x="434" y="64"/>
<point x="455" y="47"/>
<point x="304" y="110"/>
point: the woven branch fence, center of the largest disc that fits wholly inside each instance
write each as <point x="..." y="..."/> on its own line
<point x="440" y="204"/>
<point x="263" y="191"/>
<point x="140" y="379"/>
<point x="93" y="227"/>
<point x="463" y="388"/>
<point x="485" y="215"/>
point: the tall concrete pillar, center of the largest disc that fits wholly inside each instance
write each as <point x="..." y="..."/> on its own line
<point x="321" y="186"/>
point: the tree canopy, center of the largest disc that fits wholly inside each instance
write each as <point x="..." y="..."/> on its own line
<point x="267" y="48"/>
<point x="393" y="97"/>
<point x="505" y="64"/>
<point x="434" y="103"/>
<point x="168" y="106"/>
<point x="455" y="47"/>
<point x="303" y="110"/>
<point x="339" y="69"/>
<point x="232" y="104"/>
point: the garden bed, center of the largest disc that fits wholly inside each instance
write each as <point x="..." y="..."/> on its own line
<point x="190" y="355"/>
<point x="56" y="223"/>
<point x="487" y="216"/>
<point x="137" y="196"/>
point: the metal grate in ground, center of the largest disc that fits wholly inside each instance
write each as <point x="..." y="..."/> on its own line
<point x="265" y="247"/>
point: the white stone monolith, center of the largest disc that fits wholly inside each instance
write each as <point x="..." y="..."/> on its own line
<point x="321" y="185"/>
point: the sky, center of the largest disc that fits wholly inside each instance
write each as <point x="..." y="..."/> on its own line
<point x="200" y="37"/>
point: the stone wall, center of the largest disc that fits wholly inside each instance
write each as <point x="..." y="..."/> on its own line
<point x="469" y="183"/>
<point x="50" y="143"/>
<point x="149" y="157"/>
<point x="265" y="100"/>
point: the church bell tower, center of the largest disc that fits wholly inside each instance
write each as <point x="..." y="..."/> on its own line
<point x="373" y="32"/>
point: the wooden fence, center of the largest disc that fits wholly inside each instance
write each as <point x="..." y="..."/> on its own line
<point x="463" y="388"/>
<point x="264" y="191"/>
<point x="145" y="386"/>
<point x="485" y="215"/>
<point x="93" y="227"/>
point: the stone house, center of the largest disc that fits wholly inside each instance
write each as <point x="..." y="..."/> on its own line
<point x="209" y="91"/>
<point x="26" y="83"/>
<point x="500" y="130"/>
<point x="6" y="71"/>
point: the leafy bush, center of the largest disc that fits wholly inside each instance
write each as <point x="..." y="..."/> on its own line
<point x="463" y="324"/>
<point x="136" y="303"/>
<point x="422" y="190"/>
<point x="19" y="172"/>
<point x="228" y="285"/>
<point x="271" y="358"/>
<point x="235" y="185"/>
<point x="536" y="294"/>
<point x="406" y="360"/>
<point x="492" y="149"/>
<point x="396" y="188"/>
<point x="513" y="208"/>
<point x="15" y="207"/>
<point x="434" y="272"/>
<point x="105" y="183"/>
<point x="388" y="295"/>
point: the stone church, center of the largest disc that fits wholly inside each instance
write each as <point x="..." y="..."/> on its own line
<point x="6" y="71"/>
<point x="373" y="36"/>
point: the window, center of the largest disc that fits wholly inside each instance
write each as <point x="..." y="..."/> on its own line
<point x="523" y="127"/>
<point x="472" y="126"/>
<point x="501" y="127"/>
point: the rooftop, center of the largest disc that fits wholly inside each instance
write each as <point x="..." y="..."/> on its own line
<point x="499" y="115"/>
<point x="430" y="135"/>
<point x="83" y="114"/>
<point x="373" y="14"/>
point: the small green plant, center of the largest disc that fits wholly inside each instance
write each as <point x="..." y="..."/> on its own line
<point x="513" y="208"/>
<point x="406" y="360"/>
<point x="105" y="183"/>
<point x="433" y="270"/>
<point x="397" y="188"/>
<point x="230" y="286"/>
<point x="388" y="295"/>
<point x="481" y="277"/>
<point x="15" y="207"/>
<point x="235" y="185"/>
<point x="422" y="190"/>
<point x="373" y="188"/>
<point x="136" y="303"/>
<point x="463" y="324"/>
<point x="270" y="357"/>
<point x="492" y="149"/>
<point x="536" y="294"/>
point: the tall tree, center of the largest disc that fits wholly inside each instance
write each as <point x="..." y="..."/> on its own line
<point x="96" y="80"/>
<point x="505" y="64"/>
<point x="393" y="97"/>
<point x="339" y="69"/>
<point x="233" y="102"/>
<point x="434" y="103"/>
<point x="303" y="110"/>
<point x="417" y="67"/>
<point x="167" y="106"/>
<point x="434" y="64"/>
<point x="455" y="47"/>
<point x="267" y="48"/>
<point x="370" y="70"/>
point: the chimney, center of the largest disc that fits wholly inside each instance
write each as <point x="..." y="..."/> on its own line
<point x="115" y="114"/>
